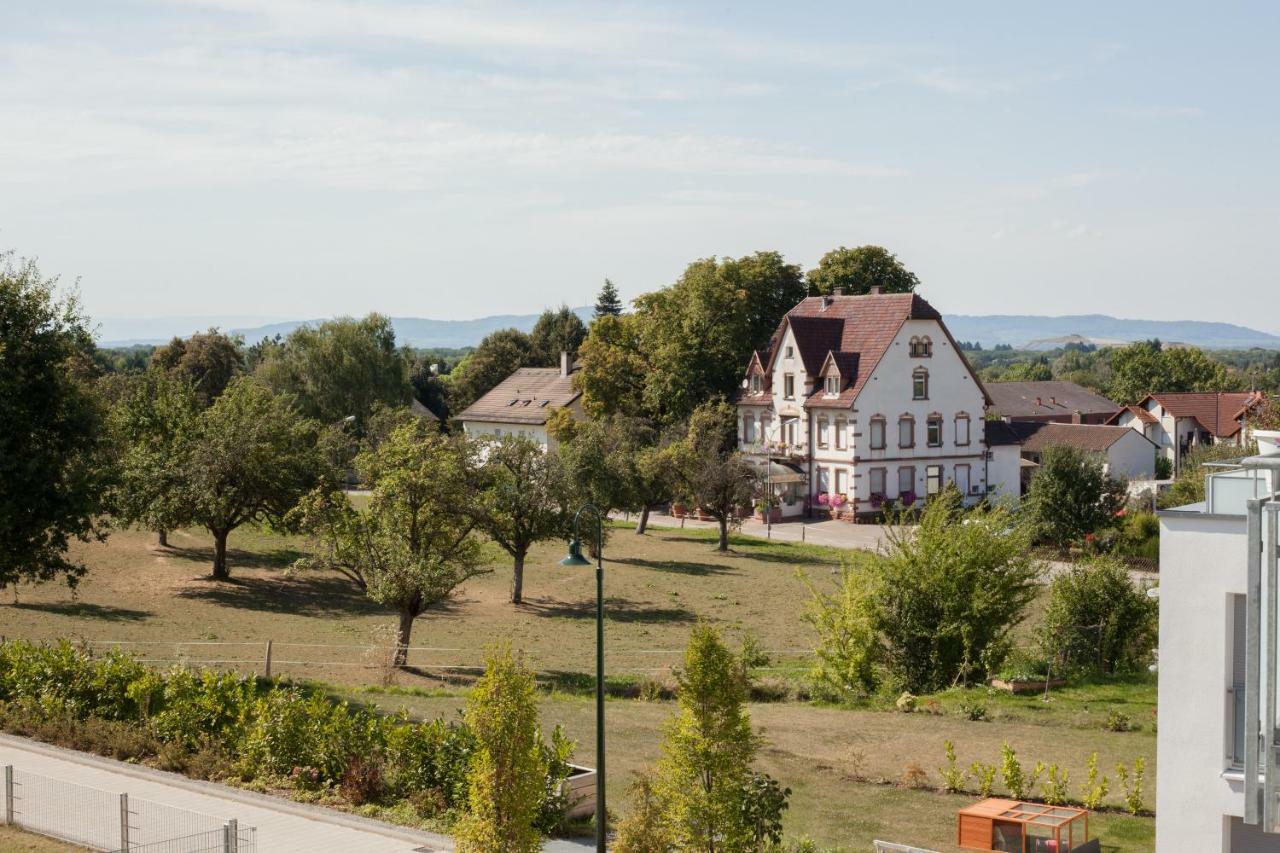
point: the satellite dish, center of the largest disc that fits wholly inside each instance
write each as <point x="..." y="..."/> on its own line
<point x="744" y="383"/>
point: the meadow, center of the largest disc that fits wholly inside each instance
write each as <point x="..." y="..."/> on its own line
<point x="845" y="766"/>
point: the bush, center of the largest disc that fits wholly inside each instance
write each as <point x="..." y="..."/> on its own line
<point x="1071" y="497"/>
<point x="1056" y="786"/>
<point x="1098" y="619"/>
<point x="1118" y="721"/>
<point x="1094" y="789"/>
<point x="974" y="712"/>
<point x="1164" y="467"/>
<point x="952" y="775"/>
<point x="1132" y="784"/>
<point x="763" y="802"/>
<point x="914" y="776"/>
<point x="430" y="756"/>
<point x="848" y="646"/>
<point x="985" y="776"/>
<point x="293" y="729"/>
<point x="642" y="829"/>
<point x="362" y="780"/>
<point x="906" y="703"/>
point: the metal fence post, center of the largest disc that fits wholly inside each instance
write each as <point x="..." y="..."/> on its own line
<point x="8" y="794"/>
<point x="232" y="835"/>
<point x="267" y="666"/>
<point x="124" y="822"/>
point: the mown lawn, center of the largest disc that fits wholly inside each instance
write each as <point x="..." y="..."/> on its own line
<point x="840" y="763"/>
<point x="14" y="840"/>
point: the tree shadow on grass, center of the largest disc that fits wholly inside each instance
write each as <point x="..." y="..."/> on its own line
<point x="309" y="594"/>
<point x="276" y="558"/>
<point x="680" y="567"/>
<point x="85" y="610"/>
<point x="615" y="610"/>
<point x="759" y="549"/>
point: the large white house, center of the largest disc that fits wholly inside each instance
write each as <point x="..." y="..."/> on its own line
<point x="1218" y="669"/>
<point x="865" y="397"/>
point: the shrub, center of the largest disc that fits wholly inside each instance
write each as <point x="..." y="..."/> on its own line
<point x="848" y="648"/>
<point x="642" y="830"/>
<point x="973" y="711"/>
<point x="293" y="729"/>
<point x="906" y="703"/>
<point x="1164" y="467"/>
<point x="1071" y="497"/>
<point x="1098" y="619"/>
<point x="952" y="775"/>
<point x="1132" y="785"/>
<point x="947" y="593"/>
<point x="555" y="802"/>
<point x="763" y="803"/>
<point x="362" y="780"/>
<point x="1056" y="786"/>
<point x="1094" y="789"/>
<point x="430" y="756"/>
<point x="985" y="776"/>
<point x="192" y="705"/>
<point x="913" y="776"/>
<point x="1118" y="721"/>
<point x="1015" y="781"/>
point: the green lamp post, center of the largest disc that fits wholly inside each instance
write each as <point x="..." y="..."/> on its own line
<point x="575" y="558"/>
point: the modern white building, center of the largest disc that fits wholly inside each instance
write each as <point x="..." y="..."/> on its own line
<point x="864" y="397"/>
<point x="1218" y="615"/>
<point x="521" y="403"/>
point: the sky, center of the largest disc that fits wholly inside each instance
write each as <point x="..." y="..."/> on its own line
<point x="310" y="158"/>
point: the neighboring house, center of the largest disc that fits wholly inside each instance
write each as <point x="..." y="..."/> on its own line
<point x="521" y="403"/>
<point x="1124" y="452"/>
<point x="1213" y="690"/>
<point x="1180" y="422"/>
<point x="866" y="397"/>
<point x="1056" y="401"/>
<point x="422" y="411"/>
<point x="1005" y="465"/>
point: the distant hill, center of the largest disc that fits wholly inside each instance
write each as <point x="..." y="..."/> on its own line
<point x="1025" y="331"/>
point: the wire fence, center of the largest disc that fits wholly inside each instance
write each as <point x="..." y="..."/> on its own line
<point x="114" y="821"/>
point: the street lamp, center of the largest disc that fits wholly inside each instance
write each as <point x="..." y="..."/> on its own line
<point x="575" y="558"/>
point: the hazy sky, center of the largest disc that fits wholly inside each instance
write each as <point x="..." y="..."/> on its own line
<point x="302" y="158"/>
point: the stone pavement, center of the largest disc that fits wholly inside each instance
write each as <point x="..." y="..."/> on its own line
<point x="837" y="534"/>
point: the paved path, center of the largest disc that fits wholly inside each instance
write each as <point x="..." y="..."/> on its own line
<point x="283" y="826"/>
<point x="838" y="534"/>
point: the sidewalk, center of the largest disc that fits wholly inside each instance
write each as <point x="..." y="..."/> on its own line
<point x="837" y="534"/>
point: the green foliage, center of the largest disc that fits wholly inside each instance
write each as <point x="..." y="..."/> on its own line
<point x="290" y="728"/>
<point x="707" y="750"/>
<point x="763" y="803"/>
<point x="642" y="829"/>
<point x="524" y="498"/>
<point x="952" y="775"/>
<point x="433" y="755"/>
<point x="974" y="712"/>
<point x="1094" y="789"/>
<point x="1017" y="781"/>
<point x="206" y="362"/>
<point x="707" y="472"/>
<point x="248" y="457"/>
<point x="1163" y="467"/>
<point x="1188" y="488"/>
<point x="1056" y="786"/>
<point x="848" y="646"/>
<point x="496" y="358"/>
<point x="608" y="303"/>
<point x="196" y="705"/>
<point x="54" y="444"/>
<point x="856" y="271"/>
<point x="555" y="332"/>
<point x="413" y="544"/>
<point x="614" y="368"/>
<point x="985" y="776"/>
<point x="1071" y="497"/>
<point x="1148" y="366"/>
<point x="509" y="766"/>
<point x="1098" y="619"/>
<point x="947" y="593"/>
<point x="1132" y="785"/>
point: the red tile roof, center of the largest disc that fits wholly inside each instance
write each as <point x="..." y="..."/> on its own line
<point x="1095" y="437"/>
<point x="1138" y="412"/>
<point x="1219" y="413"/>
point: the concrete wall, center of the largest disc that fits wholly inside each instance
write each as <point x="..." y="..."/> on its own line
<point x="1132" y="457"/>
<point x="1004" y="472"/>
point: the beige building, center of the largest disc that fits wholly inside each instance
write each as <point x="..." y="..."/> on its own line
<point x="521" y="403"/>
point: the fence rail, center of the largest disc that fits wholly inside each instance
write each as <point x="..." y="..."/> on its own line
<point x="114" y="821"/>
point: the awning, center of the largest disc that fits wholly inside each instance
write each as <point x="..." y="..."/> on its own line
<point x="782" y="473"/>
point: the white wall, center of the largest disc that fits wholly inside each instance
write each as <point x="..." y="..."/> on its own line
<point x="1202" y="563"/>
<point x="477" y="429"/>
<point x="1132" y="457"/>
<point x="1004" y="472"/>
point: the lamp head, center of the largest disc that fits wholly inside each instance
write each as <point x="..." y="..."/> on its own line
<point x="575" y="557"/>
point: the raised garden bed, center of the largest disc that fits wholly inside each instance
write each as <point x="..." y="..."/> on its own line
<point x="1022" y="685"/>
<point x="580" y="791"/>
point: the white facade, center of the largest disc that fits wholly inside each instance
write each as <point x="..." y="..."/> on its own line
<point x="1004" y="471"/>
<point x="535" y="431"/>
<point x="1132" y="457"/>
<point x="1203" y="583"/>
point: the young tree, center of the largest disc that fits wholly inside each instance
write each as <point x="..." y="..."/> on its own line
<point x="858" y="270"/>
<point x="608" y="302"/>
<point x="1098" y="619"/>
<point x="509" y="767"/>
<point x="413" y="544"/>
<point x="497" y="356"/>
<point x="555" y="332"/>
<point x="1071" y="496"/>
<point x="248" y="457"/>
<point x="642" y="830"/>
<point x="339" y="369"/>
<point x="523" y="499"/>
<point x="848" y="649"/>
<point x="614" y="368"/>
<point x="708" y="472"/>
<point x="947" y="593"/>
<point x="150" y="424"/>
<point x="207" y="361"/>
<point x="707" y="750"/>
<point x="53" y="435"/>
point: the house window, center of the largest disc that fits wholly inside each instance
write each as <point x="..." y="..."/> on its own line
<point x="921" y="347"/>
<point x="878" y="477"/>
<point x="962" y="429"/>
<point x="748" y="429"/>
<point x="789" y="386"/>
<point x="934" y="430"/>
<point x="756" y="384"/>
<point x="791" y="352"/>
<point x="877" y="433"/>
<point x="842" y="481"/>
<point x="906" y="431"/>
<point x="1235" y="725"/>
<point x="962" y="479"/>
<point x="832" y="386"/>
<point x="842" y="427"/>
<point x="906" y="481"/>
<point x="920" y="384"/>
<point x="764" y="427"/>
<point x="823" y="425"/>
<point x="932" y="480"/>
<point x="824" y="480"/>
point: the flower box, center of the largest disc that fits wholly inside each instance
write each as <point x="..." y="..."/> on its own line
<point x="579" y="790"/>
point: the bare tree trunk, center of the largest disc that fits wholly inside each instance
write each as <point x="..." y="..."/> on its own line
<point x="643" y="524"/>
<point x="517" y="579"/>
<point x="162" y="538"/>
<point x="220" y="570"/>
<point x="403" y="632"/>
<point x="724" y="534"/>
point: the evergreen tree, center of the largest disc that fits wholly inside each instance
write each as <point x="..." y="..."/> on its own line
<point x="608" y="301"/>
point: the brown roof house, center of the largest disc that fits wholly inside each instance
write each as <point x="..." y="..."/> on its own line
<point x="1056" y="401"/>
<point x="859" y="400"/>
<point x="1124" y="452"/>
<point x="521" y="403"/>
<point x="1180" y="422"/>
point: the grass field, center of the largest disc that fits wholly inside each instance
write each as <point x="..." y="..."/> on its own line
<point x="14" y="840"/>
<point x="838" y="762"/>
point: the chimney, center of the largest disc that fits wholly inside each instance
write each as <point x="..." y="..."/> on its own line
<point x="838" y="290"/>
<point x="564" y="362"/>
<point x="1053" y="401"/>
<point x="826" y="300"/>
<point x="875" y="290"/>
<point x="1038" y="403"/>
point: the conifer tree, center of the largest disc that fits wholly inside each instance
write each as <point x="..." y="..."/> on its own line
<point x="608" y="301"/>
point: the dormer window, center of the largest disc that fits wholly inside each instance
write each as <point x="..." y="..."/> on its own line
<point x="757" y="383"/>
<point x="921" y="347"/>
<point x="831" y="386"/>
<point x="791" y="352"/>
